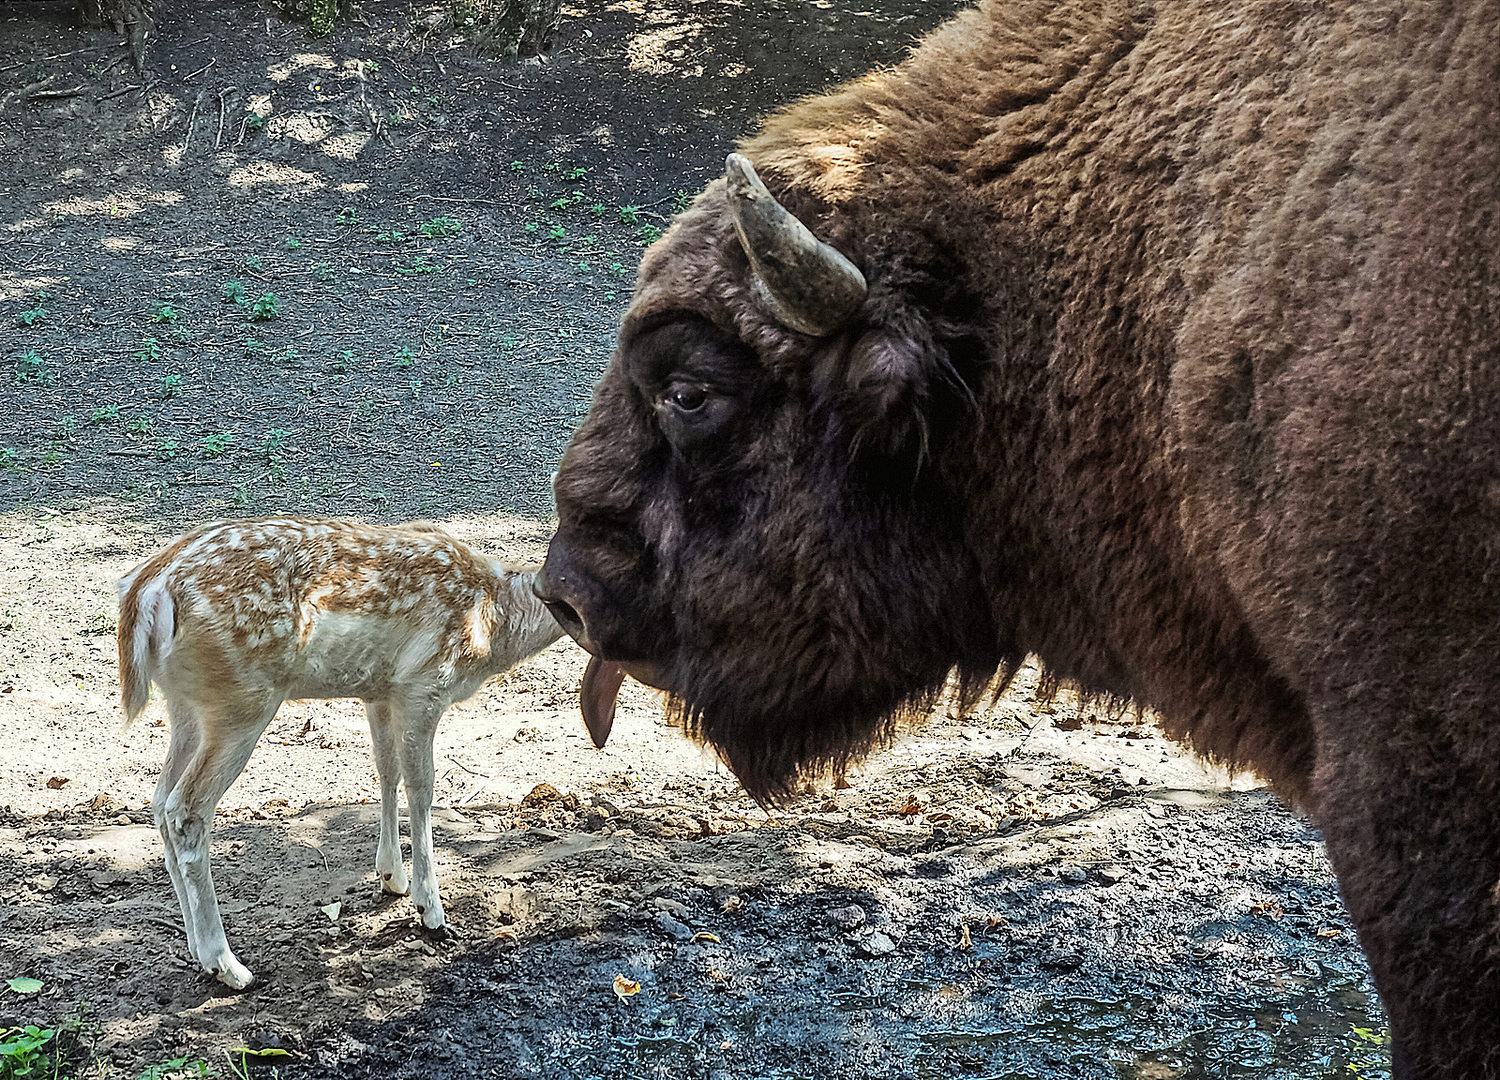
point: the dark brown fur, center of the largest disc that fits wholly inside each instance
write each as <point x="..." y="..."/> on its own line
<point x="1179" y="368"/>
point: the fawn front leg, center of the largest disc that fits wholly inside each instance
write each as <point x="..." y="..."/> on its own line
<point x="388" y="767"/>
<point x="417" y="722"/>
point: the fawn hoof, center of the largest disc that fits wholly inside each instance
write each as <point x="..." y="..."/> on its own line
<point x="395" y="884"/>
<point x="432" y="916"/>
<point x="232" y="974"/>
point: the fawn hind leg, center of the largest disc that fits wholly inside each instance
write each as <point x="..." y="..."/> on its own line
<point x="388" y="767"/>
<point x="194" y="782"/>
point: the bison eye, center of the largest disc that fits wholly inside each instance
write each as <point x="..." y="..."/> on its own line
<point x="688" y="398"/>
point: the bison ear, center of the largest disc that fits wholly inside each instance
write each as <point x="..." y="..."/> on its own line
<point x="895" y="379"/>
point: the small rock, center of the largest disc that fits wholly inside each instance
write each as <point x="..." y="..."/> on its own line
<point x="875" y="946"/>
<point x="1112" y="874"/>
<point x="673" y="927"/>
<point x="663" y="903"/>
<point x="1074" y="875"/>
<point x="847" y="918"/>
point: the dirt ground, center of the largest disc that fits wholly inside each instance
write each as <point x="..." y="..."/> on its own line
<point x="447" y="241"/>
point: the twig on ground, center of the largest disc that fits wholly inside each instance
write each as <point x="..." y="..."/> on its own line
<point x="201" y="70"/>
<point x="57" y="56"/>
<point x="192" y="120"/>
<point x="27" y="91"/>
<point x="219" y="138"/>
<point x="117" y="93"/>
<point x="45" y="95"/>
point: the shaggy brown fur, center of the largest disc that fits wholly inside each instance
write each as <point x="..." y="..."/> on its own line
<point x="1179" y="368"/>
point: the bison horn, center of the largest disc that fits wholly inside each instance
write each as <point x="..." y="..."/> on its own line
<point x="804" y="283"/>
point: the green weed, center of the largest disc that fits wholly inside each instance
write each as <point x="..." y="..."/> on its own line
<point x="578" y="172"/>
<point x="67" y="427"/>
<point x="150" y="350"/>
<point x="324" y="271"/>
<point x="105" y="414"/>
<point x="31" y="368"/>
<point x="254" y="122"/>
<point x="139" y="425"/>
<point x="265" y="307"/>
<point x="517" y="166"/>
<point x="169" y="386"/>
<point x="649" y="233"/>
<point x="214" y="445"/>
<point x="557" y="232"/>
<point x="9" y="458"/>
<point x="681" y="202"/>
<point x="178" y="1068"/>
<point x="347" y="216"/>
<point x="419" y="265"/>
<point x="23" y="1054"/>
<point x="405" y="357"/>
<point x="273" y="444"/>
<point x="292" y="243"/>
<point x="251" y="263"/>
<point x="32" y="316"/>
<point x="394" y="236"/>
<point x="440" y="227"/>
<point x="165" y="313"/>
<point x="166" y="449"/>
<point x="630" y="215"/>
<point x="233" y="291"/>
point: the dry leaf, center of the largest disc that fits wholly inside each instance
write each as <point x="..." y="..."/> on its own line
<point x="332" y="910"/>
<point x="704" y="935"/>
<point x="57" y="782"/>
<point x="506" y="935"/>
<point x="734" y="903"/>
<point x="624" y="987"/>
<point x="966" y="941"/>
<point x="1328" y="931"/>
<point x="911" y="808"/>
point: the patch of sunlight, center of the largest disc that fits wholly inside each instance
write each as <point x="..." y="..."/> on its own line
<point x="347" y="146"/>
<point x="353" y="187"/>
<point x="734" y="71"/>
<point x="24" y="225"/>
<point x="308" y="128"/>
<point x="120" y="243"/>
<point x="285" y="69"/>
<point x="122" y="204"/>
<point x="655" y="51"/>
<point x="264" y="172"/>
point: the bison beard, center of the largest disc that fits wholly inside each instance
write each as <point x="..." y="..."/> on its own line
<point x="1160" y="341"/>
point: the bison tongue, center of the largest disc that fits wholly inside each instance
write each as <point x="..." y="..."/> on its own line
<point x="601" y="687"/>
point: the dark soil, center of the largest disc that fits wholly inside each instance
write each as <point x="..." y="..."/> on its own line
<point x="1034" y="890"/>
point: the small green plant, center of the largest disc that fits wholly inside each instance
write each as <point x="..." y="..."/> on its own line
<point x="292" y="243"/>
<point x="630" y="215"/>
<point x="34" y="315"/>
<point x="405" y="357"/>
<point x="67" y="427"/>
<point x="150" y="350"/>
<point x="169" y="387"/>
<point x="266" y="307"/>
<point x="578" y="172"/>
<point x="517" y="166"/>
<point x="232" y="291"/>
<point x="52" y="457"/>
<point x="324" y="271"/>
<point x="557" y="232"/>
<point x="251" y="263"/>
<point x="681" y="202"/>
<point x="273" y="444"/>
<point x="340" y="364"/>
<point x="415" y="386"/>
<point x="597" y="209"/>
<point x="23" y="1053"/>
<point x="177" y="1068"/>
<point x="255" y="347"/>
<point x="393" y="236"/>
<point x="166" y="449"/>
<point x="9" y="458"/>
<point x="31" y="367"/>
<point x="532" y="226"/>
<point x="214" y="445"/>
<point x="440" y="227"/>
<point x="649" y="233"/>
<point x="617" y="269"/>
<point x="419" y="265"/>
<point x="254" y="122"/>
<point x="139" y="425"/>
<point x="347" y="216"/>
<point x="364" y="410"/>
<point x="290" y="356"/>
<point x="165" y="313"/>
<point x="105" y="414"/>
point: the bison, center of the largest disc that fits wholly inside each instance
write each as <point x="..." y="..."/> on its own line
<point x="1160" y="341"/>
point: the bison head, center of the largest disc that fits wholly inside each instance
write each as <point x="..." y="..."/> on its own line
<point x="763" y="514"/>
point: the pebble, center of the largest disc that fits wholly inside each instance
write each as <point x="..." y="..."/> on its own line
<point x="875" y="946"/>
<point x="673" y="927"/>
<point x="847" y="918"/>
